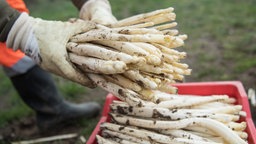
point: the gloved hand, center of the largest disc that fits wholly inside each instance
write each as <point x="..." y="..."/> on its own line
<point x="98" y="11"/>
<point x="45" y="42"/>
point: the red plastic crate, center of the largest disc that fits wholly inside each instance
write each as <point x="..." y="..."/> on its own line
<point x="233" y="89"/>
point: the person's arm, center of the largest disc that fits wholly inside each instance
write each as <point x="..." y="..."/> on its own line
<point x="8" y="16"/>
<point x="44" y="41"/>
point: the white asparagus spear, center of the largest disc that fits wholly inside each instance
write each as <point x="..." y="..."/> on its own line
<point x="237" y="126"/>
<point x="147" y="95"/>
<point x="201" y="133"/>
<point x="98" y="65"/>
<point x="190" y="141"/>
<point x="120" y="92"/>
<point x="142" y="25"/>
<point x="149" y="48"/>
<point x="87" y="49"/>
<point x="139" y="79"/>
<point x="166" y="26"/>
<point x="213" y="125"/>
<point x="107" y="35"/>
<point x="153" y="59"/>
<point x="242" y="113"/>
<point x="161" y="18"/>
<point x="178" y="76"/>
<point x="242" y="134"/>
<point x="183" y="37"/>
<point x="148" y="135"/>
<point x="102" y="140"/>
<point x="174" y="43"/>
<point x="152" y="69"/>
<point x="124" y="82"/>
<point x="131" y="31"/>
<point x="227" y="109"/>
<point x="210" y="135"/>
<point x="125" y="136"/>
<point x="99" y="26"/>
<point x="188" y="95"/>
<point x="217" y="139"/>
<point x="212" y="105"/>
<point x="122" y="141"/>
<point x="172" y="32"/>
<point x="177" y="70"/>
<point x="166" y="87"/>
<point x="140" y="133"/>
<point x="179" y="103"/>
<point x="225" y="118"/>
<point x="163" y="96"/>
<point x="140" y="17"/>
<point x="156" y="79"/>
<point x="163" y="113"/>
<point x="180" y="65"/>
<point x="184" y="134"/>
<point x="170" y="58"/>
<point x="123" y="94"/>
<point x="125" y="47"/>
<point x="232" y="110"/>
<point x="204" y="130"/>
<point x="170" y="51"/>
<point x="132" y="49"/>
<point x="159" y="78"/>
<point x="201" y="130"/>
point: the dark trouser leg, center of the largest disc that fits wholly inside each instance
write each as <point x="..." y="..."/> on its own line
<point x="38" y="90"/>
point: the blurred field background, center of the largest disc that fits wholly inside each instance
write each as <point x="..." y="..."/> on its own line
<point x="221" y="47"/>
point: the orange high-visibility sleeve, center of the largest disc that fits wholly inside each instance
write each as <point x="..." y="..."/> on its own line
<point x="8" y="57"/>
<point x="18" y="5"/>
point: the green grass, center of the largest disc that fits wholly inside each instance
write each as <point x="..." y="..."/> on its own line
<point x="69" y="89"/>
<point x="221" y="44"/>
<point x="89" y="126"/>
<point x="18" y="110"/>
<point x="52" y="9"/>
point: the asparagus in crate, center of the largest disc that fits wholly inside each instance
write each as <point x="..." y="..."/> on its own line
<point x="209" y="122"/>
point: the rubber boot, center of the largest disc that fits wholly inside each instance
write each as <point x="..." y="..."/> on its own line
<point x="37" y="89"/>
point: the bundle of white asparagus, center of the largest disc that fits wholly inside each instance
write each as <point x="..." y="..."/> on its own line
<point x="135" y="59"/>
<point x="135" y="55"/>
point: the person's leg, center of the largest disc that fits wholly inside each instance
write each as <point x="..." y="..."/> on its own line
<point x="37" y="89"/>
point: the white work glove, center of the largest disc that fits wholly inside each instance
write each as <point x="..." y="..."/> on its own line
<point x="98" y="11"/>
<point x="45" y="42"/>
